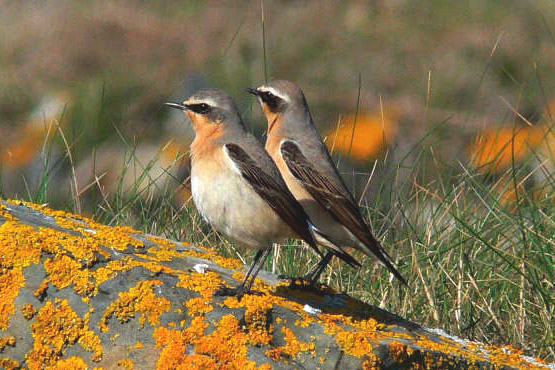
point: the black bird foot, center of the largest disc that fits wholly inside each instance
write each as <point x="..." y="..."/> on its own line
<point x="239" y="292"/>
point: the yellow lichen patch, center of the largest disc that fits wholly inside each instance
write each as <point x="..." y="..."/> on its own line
<point x="8" y="363"/>
<point x="399" y="352"/>
<point x="65" y="271"/>
<point x="117" y="237"/>
<point x="4" y="213"/>
<point x="356" y="341"/>
<point x="56" y="327"/>
<point x="510" y="356"/>
<point x="198" y="306"/>
<point x="140" y="299"/>
<point x="72" y="363"/>
<point x="127" y="364"/>
<point x="167" y="244"/>
<point x="293" y="347"/>
<point x="225" y="348"/>
<point x="7" y="341"/>
<point x="210" y="254"/>
<point x="28" y="311"/>
<point x="11" y="282"/>
<point x="258" y="327"/>
<point x="372" y="363"/>
<point x="226" y="345"/>
<point x="41" y="290"/>
<point x="205" y="284"/>
<point x="21" y="246"/>
<point x="174" y="345"/>
<point x="305" y="321"/>
<point x="81" y="248"/>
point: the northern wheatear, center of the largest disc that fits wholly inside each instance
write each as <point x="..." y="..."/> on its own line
<point x="235" y="184"/>
<point x="307" y="168"/>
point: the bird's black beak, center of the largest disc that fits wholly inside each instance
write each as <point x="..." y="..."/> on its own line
<point x="252" y="91"/>
<point x="176" y="106"/>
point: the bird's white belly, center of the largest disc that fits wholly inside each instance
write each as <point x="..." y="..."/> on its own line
<point x="232" y="207"/>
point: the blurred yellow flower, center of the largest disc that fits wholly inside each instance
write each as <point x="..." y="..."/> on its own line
<point x="23" y="143"/>
<point x="495" y="149"/>
<point x="373" y="132"/>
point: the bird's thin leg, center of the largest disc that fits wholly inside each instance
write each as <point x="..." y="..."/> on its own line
<point x="253" y="275"/>
<point x="315" y="273"/>
<point x="239" y="291"/>
<point x="251" y="267"/>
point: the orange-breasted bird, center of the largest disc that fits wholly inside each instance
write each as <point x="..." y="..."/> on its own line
<point x="308" y="170"/>
<point x="237" y="187"/>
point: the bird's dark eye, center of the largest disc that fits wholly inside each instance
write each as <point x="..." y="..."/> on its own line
<point x="273" y="102"/>
<point x="267" y="96"/>
<point x="200" y="108"/>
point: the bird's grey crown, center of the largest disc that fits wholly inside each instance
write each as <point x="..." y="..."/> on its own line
<point x="213" y="97"/>
<point x="286" y="90"/>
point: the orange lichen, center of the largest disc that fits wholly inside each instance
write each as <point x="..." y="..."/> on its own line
<point x="56" y="327"/>
<point x="399" y="352"/>
<point x="205" y="283"/>
<point x="372" y="363"/>
<point x="69" y="258"/>
<point x="292" y="348"/>
<point x="198" y="306"/>
<point x="358" y="340"/>
<point x="174" y="344"/>
<point x="41" y="290"/>
<point x="21" y="245"/>
<point x="305" y="321"/>
<point x="510" y="356"/>
<point x="225" y="348"/>
<point x="232" y="355"/>
<point x="72" y="363"/>
<point x="9" y="364"/>
<point x="116" y="237"/>
<point x="65" y="271"/>
<point x="127" y="364"/>
<point x="256" y="317"/>
<point x="161" y="242"/>
<point x="7" y="341"/>
<point x="140" y="299"/>
<point x="211" y="255"/>
<point x="11" y="282"/>
<point x="28" y="311"/>
<point x="4" y="213"/>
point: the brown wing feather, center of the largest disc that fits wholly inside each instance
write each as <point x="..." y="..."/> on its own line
<point x="341" y="207"/>
<point x="276" y="194"/>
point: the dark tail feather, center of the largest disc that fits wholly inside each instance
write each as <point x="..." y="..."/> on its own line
<point x="325" y="241"/>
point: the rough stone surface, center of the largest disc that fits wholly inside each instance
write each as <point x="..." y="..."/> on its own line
<point x="75" y="294"/>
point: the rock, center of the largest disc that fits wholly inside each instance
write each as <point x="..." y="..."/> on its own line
<point x="75" y="294"/>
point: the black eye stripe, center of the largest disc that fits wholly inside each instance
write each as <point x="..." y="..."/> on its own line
<point x="266" y="95"/>
<point x="200" y="108"/>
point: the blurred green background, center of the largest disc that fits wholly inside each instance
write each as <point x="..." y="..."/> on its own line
<point x="451" y="101"/>
<point x="452" y="66"/>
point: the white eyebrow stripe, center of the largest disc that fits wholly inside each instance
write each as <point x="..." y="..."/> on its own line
<point x="208" y="101"/>
<point x="273" y="91"/>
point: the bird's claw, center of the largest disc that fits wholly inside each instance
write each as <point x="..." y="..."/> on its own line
<point x="239" y="292"/>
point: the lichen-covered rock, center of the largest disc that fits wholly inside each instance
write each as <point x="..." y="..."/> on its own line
<point x="75" y="294"/>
